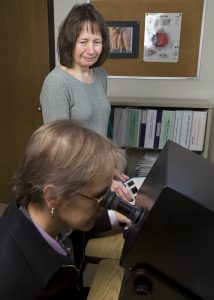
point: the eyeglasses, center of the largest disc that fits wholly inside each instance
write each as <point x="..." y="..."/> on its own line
<point x="99" y="199"/>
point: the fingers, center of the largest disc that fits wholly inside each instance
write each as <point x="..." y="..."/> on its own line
<point x="120" y="176"/>
<point x="122" y="219"/>
<point x="124" y="177"/>
<point x="120" y="190"/>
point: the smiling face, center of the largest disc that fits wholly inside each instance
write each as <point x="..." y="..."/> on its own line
<point x="88" y="47"/>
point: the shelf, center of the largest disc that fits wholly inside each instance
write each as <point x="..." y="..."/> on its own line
<point x="194" y="104"/>
<point x="150" y="102"/>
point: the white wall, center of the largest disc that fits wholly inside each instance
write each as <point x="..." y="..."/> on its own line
<point x="61" y="9"/>
<point x="202" y="88"/>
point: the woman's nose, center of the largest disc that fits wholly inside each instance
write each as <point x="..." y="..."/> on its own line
<point x="90" y="47"/>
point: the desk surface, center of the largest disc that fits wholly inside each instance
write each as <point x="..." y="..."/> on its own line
<point x="108" y="278"/>
<point x="105" y="247"/>
<point x="107" y="282"/>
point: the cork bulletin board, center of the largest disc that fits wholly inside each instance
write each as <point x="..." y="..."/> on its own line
<point x="119" y="12"/>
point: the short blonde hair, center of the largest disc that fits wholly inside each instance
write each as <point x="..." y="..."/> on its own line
<point x="66" y="155"/>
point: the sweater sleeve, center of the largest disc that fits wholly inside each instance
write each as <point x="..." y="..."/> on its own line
<point x="55" y="99"/>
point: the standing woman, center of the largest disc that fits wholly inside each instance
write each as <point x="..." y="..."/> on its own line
<point x="77" y="88"/>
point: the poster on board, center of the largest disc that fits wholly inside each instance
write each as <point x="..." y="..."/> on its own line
<point x="162" y="37"/>
<point x="123" y="38"/>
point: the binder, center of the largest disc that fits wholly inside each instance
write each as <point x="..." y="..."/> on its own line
<point x="186" y="128"/>
<point x="133" y="127"/>
<point x="150" y="128"/>
<point x="158" y="129"/>
<point x="143" y="128"/>
<point x="198" y="130"/>
<point x="178" y="126"/>
<point x="120" y="126"/>
<point x="167" y="127"/>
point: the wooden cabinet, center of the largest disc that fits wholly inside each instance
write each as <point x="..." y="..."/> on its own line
<point x="24" y="52"/>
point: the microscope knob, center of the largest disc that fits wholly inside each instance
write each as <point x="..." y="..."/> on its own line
<point x="143" y="286"/>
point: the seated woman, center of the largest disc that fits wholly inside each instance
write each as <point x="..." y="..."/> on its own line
<point x="65" y="173"/>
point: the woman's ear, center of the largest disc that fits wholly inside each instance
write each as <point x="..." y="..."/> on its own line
<point x="51" y="200"/>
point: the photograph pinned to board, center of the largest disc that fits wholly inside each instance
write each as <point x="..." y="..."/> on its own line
<point x="162" y="37"/>
<point x="124" y="39"/>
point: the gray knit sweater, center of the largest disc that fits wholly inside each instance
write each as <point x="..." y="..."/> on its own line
<point x="65" y="97"/>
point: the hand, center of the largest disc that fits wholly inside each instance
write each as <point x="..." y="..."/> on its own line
<point x="122" y="219"/>
<point x="119" y="188"/>
<point x="120" y="176"/>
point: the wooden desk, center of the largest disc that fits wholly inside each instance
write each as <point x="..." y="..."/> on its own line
<point x="107" y="282"/>
<point x="105" y="247"/>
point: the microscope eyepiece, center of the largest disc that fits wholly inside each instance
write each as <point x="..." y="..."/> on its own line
<point x="112" y="201"/>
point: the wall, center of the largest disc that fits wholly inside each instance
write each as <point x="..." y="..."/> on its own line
<point x="61" y="9"/>
<point x="202" y="88"/>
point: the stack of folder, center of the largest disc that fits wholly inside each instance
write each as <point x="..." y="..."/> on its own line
<point x="150" y="128"/>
